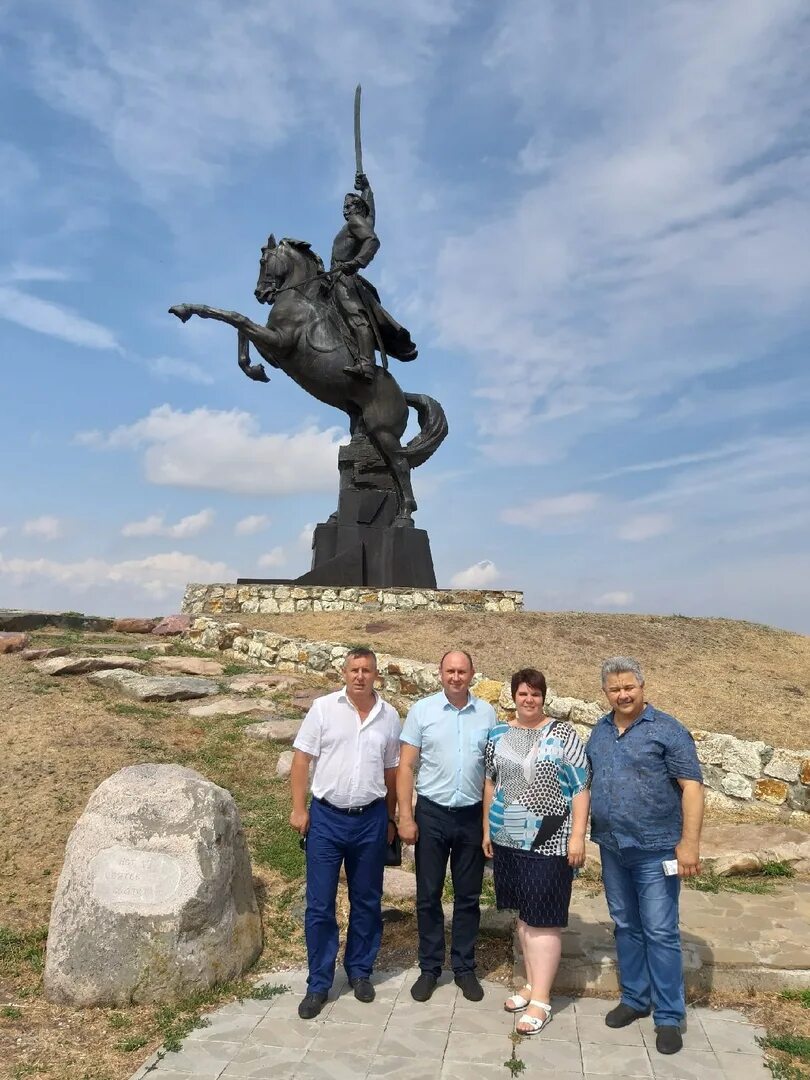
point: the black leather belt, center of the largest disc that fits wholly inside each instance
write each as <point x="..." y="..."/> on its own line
<point x="352" y="811"/>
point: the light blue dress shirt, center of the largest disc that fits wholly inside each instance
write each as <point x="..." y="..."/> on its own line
<point x="451" y="743"/>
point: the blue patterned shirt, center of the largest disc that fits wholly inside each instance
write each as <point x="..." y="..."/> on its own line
<point x="635" y="795"/>
<point x="536" y="772"/>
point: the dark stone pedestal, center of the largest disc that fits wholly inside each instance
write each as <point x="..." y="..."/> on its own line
<point x="364" y="555"/>
<point x="360" y="544"/>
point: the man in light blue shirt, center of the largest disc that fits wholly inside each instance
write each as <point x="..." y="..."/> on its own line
<point x="445" y="735"/>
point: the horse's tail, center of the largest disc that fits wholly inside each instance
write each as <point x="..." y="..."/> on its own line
<point x="432" y="429"/>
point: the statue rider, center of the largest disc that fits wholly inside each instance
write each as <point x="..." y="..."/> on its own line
<point x="353" y="249"/>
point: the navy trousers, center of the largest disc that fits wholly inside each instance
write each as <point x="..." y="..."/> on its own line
<point x="359" y="842"/>
<point x="454" y="834"/>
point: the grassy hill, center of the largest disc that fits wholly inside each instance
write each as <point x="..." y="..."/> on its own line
<point x="748" y="680"/>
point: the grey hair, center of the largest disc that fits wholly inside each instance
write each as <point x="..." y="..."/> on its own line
<point x="617" y="665"/>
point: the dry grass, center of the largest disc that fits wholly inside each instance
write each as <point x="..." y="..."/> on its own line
<point x="64" y="736"/>
<point x="749" y="680"/>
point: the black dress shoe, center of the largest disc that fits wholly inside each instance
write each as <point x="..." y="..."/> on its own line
<point x="470" y="987"/>
<point x="363" y="990"/>
<point x="311" y="1005"/>
<point x="623" y="1015"/>
<point x="668" y="1039"/>
<point x="422" y="989"/>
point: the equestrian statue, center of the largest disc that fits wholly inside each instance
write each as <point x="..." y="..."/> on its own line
<point x="325" y="331"/>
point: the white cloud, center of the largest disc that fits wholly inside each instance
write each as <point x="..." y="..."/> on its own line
<point x="554" y="513"/>
<point x="46" y="527"/>
<point x="235" y="82"/>
<point x="619" y="598"/>
<point x="27" y="272"/>
<point x="645" y="526"/>
<point x="45" y="317"/>
<point x="170" y="367"/>
<point x="251" y="524"/>
<point x="674" y="462"/>
<point x="226" y="451"/>
<point x="670" y="178"/>
<point x="305" y="536"/>
<point x="155" y="525"/>
<point x="18" y="174"/>
<point x="157" y="575"/>
<point x="273" y="558"/>
<point x="478" y="576"/>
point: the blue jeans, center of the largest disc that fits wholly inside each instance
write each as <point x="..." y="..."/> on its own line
<point x="359" y="842"/>
<point x="643" y="904"/>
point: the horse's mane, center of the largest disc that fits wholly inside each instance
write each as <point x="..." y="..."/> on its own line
<point x="306" y="249"/>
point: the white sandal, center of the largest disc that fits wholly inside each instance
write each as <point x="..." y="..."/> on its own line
<point x="518" y="1000"/>
<point x="536" y="1023"/>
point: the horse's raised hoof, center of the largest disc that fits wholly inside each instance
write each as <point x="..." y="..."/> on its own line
<point x="182" y="311"/>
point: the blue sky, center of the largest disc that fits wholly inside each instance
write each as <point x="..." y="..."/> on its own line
<point x="594" y="221"/>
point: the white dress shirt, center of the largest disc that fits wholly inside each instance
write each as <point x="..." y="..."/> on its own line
<point x="350" y="754"/>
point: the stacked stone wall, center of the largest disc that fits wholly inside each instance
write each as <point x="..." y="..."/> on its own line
<point x="287" y="599"/>
<point x="737" y="772"/>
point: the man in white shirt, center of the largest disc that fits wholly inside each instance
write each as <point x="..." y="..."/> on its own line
<point x="353" y="738"/>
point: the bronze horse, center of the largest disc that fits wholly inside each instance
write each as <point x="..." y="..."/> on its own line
<point x="305" y="338"/>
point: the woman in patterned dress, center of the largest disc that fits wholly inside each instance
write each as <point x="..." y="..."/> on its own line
<point x="536" y="803"/>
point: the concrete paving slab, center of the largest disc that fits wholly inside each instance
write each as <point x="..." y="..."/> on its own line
<point x="447" y="1038"/>
<point x="729" y="1037"/>
<point x="687" y="1065"/>
<point x="743" y="1067"/>
<point x="616" y="1059"/>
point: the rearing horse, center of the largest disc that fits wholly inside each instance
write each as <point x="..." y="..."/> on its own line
<point x="305" y="338"/>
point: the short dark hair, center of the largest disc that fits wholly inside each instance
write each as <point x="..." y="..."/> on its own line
<point x="360" y="652"/>
<point x="532" y="677"/>
<point x="450" y="653"/>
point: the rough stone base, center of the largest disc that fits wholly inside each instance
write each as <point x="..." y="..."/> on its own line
<point x="253" y="599"/>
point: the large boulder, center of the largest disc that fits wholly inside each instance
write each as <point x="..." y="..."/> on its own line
<point x="155" y="899"/>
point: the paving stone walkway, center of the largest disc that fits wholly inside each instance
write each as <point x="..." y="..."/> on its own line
<point x="447" y="1038"/>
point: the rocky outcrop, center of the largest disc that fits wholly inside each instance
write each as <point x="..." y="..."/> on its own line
<point x="277" y="728"/>
<point x="84" y="665"/>
<point x="229" y="707"/>
<point x="154" y="687"/>
<point x="187" y="665"/>
<point x="155" y="899"/>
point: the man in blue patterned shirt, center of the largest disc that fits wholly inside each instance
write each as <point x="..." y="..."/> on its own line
<point x="646" y="812"/>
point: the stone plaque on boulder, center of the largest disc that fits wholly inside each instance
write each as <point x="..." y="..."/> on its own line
<point x="129" y="879"/>
<point x="155" y="899"/>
